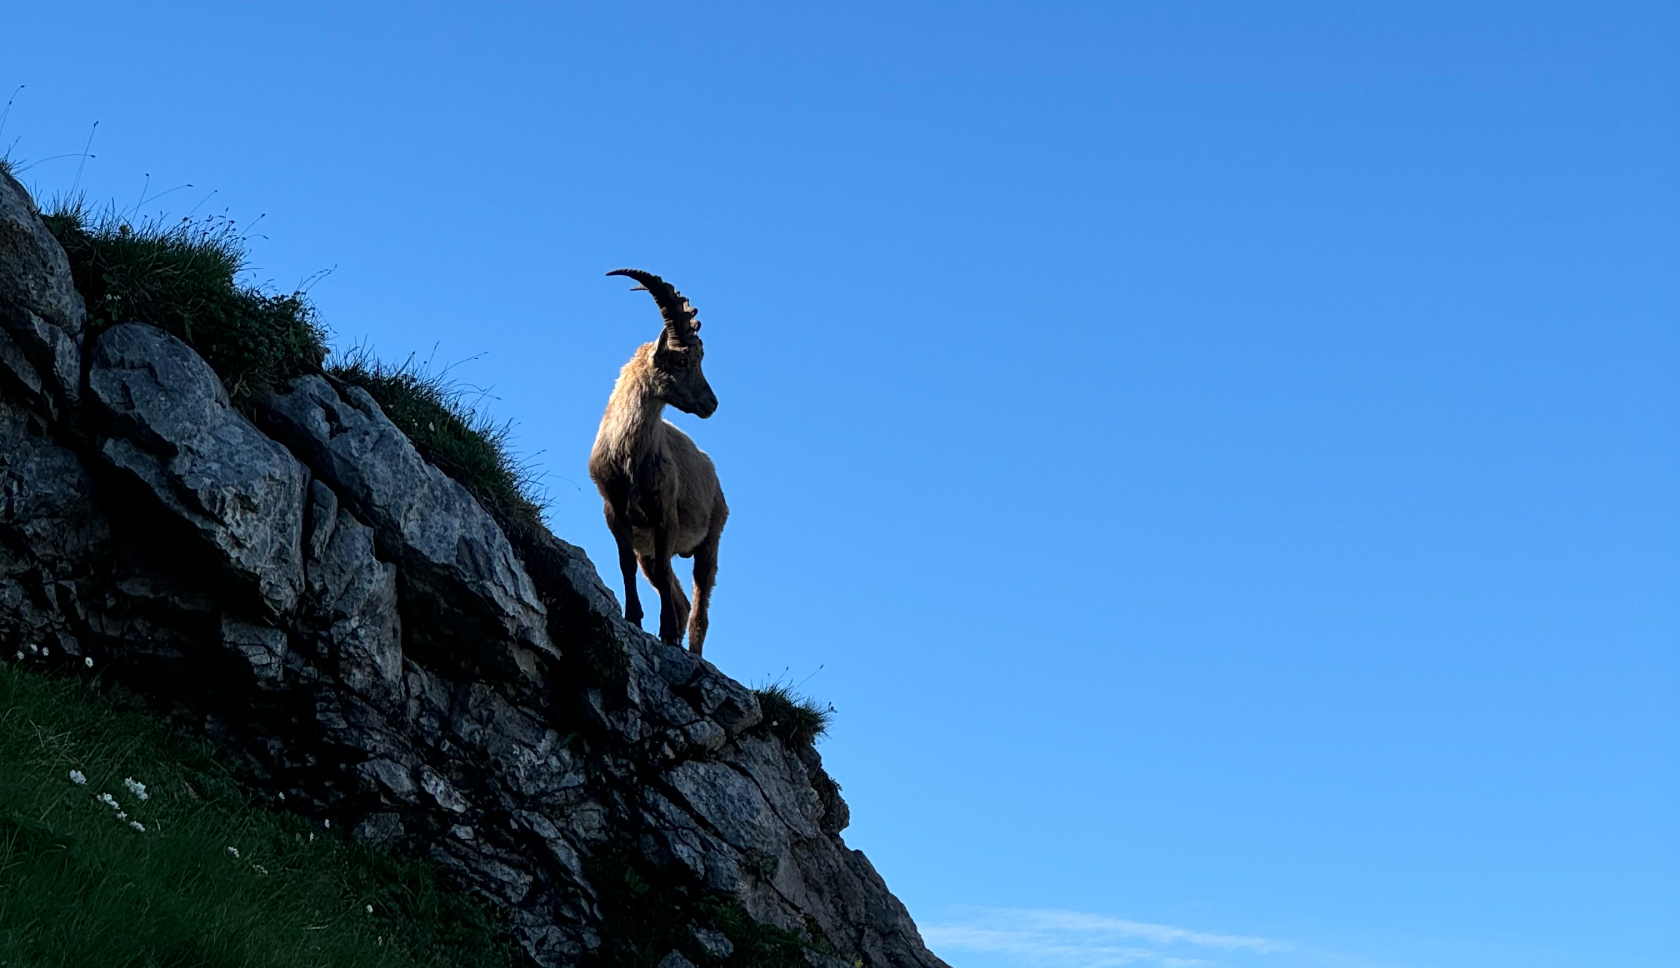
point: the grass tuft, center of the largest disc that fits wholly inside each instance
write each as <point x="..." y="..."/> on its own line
<point x="79" y="886"/>
<point x="182" y="278"/>
<point x="450" y="433"/>
<point x="799" y="720"/>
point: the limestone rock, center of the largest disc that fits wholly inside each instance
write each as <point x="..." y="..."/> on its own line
<point x="170" y="428"/>
<point x="52" y="535"/>
<point x="263" y="647"/>
<point x="356" y="595"/>
<point x="714" y="942"/>
<point x="40" y="310"/>
<point x="34" y="271"/>
<point x="465" y="585"/>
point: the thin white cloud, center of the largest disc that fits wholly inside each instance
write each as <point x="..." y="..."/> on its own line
<point x="1073" y="939"/>
<point x="1157" y="933"/>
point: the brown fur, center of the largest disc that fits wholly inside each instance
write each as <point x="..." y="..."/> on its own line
<point x="660" y="492"/>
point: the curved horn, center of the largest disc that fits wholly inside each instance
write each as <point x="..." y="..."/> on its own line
<point x="678" y="312"/>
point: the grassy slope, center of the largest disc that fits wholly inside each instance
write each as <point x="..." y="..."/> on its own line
<point x="80" y="887"/>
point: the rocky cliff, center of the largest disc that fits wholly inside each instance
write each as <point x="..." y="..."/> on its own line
<point x="294" y="581"/>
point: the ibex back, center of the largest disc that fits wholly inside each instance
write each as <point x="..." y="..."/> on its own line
<point x="661" y="492"/>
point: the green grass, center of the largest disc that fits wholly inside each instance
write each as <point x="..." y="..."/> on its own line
<point x="80" y="887"/>
<point x="798" y="720"/>
<point x="183" y="279"/>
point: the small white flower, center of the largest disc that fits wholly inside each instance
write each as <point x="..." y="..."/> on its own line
<point x="327" y="824"/>
<point x="282" y="794"/>
<point x="312" y="836"/>
<point x="122" y="815"/>
<point x="20" y="655"/>
<point x="35" y="648"/>
<point x="137" y="825"/>
<point x="234" y="851"/>
<point x="78" y="777"/>
<point x="260" y="869"/>
<point x="370" y="909"/>
<point x="136" y="787"/>
<point x="109" y="801"/>
<point x="88" y="661"/>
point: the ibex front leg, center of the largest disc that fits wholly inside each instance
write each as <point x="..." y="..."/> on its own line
<point x="622" y="534"/>
<point x="671" y="615"/>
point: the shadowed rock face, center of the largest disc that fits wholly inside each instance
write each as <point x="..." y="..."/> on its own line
<point x="457" y="566"/>
<point x="353" y="627"/>
<point x="167" y="426"/>
<point x="41" y="313"/>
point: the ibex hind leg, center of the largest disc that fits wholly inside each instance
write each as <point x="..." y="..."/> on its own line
<point x="705" y="576"/>
<point x="674" y="608"/>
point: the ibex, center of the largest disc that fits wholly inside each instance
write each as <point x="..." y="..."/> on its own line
<point x="661" y="492"/>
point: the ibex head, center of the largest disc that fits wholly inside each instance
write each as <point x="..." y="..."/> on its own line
<point x="677" y="353"/>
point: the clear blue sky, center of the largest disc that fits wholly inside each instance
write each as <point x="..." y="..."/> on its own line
<point x="1223" y="458"/>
